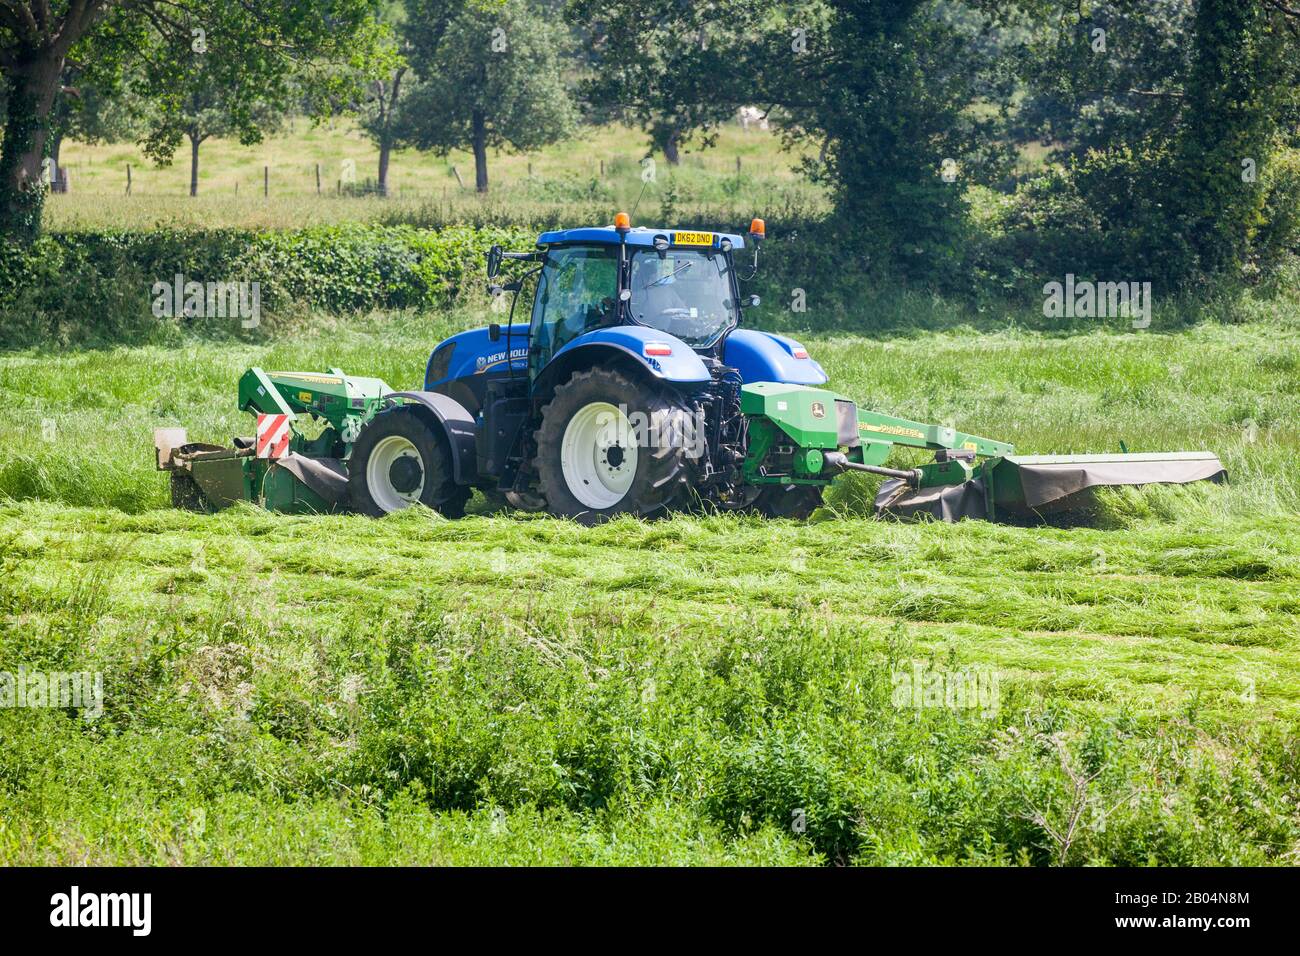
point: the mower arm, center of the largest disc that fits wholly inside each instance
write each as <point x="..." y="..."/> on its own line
<point x="873" y="426"/>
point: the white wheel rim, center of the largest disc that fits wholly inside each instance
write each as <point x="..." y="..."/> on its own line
<point x="379" y="467"/>
<point x="599" y="455"/>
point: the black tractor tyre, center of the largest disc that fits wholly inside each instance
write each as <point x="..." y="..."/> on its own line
<point x="425" y="457"/>
<point x="797" y="502"/>
<point x="664" y="467"/>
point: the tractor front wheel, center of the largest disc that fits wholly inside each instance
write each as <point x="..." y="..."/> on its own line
<point x="398" y="461"/>
<point x="609" y="445"/>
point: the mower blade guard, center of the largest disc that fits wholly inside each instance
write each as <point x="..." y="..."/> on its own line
<point x="1046" y="483"/>
<point x="1020" y="487"/>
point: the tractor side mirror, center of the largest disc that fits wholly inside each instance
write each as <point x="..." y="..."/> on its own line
<point x="494" y="256"/>
<point x="494" y="332"/>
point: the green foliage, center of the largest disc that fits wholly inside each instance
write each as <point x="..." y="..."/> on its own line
<point x="97" y="287"/>
<point x="884" y="88"/>
<point x="156" y="41"/>
<point x="1169" y="116"/>
<point x="677" y="69"/>
<point x="490" y="76"/>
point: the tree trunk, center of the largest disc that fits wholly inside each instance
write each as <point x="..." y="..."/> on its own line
<point x="31" y="88"/>
<point x="195" y="140"/>
<point x="671" y="149"/>
<point x="385" y="148"/>
<point x="480" y="151"/>
<point x="387" y="108"/>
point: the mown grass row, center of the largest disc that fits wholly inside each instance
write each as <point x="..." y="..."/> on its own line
<point x="697" y="690"/>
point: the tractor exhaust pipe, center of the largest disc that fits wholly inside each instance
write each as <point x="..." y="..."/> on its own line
<point x="837" y="459"/>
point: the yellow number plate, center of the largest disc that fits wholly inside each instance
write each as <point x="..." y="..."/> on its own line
<point x="693" y="238"/>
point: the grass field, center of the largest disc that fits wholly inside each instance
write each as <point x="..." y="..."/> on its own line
<point x="747" y="171"/>
<point x="696" y="690"/>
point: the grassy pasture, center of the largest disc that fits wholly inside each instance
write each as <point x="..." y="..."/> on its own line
<point x="746" y="174"/>
<point x="518" y="689"/>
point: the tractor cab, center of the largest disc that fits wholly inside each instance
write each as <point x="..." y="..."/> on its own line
<point x="682" y="284"/>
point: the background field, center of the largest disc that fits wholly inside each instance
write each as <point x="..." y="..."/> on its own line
<point x="602" y="170"/>
<point x="519" y="689"/>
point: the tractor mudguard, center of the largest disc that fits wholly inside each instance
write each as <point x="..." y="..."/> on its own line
<point x="456" y="423"/>
<point x="680" y="366"/>
<point x="768" y="357"/>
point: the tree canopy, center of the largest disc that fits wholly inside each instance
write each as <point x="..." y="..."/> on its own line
<point x="489" y="77"/>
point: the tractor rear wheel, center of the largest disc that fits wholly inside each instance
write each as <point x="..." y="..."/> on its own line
<point x="609" y="445"/>
<point x="398" y="461"/>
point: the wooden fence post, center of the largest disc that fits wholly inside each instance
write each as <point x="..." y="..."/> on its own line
<point x="128" y="179"/>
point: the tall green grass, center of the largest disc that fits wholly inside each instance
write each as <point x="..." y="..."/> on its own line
<point x="1230" y="390"/>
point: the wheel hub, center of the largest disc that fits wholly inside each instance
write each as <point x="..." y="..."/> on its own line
<point x="598" y="455"/>
<point x="405" y="474"/>
<point x="395" y="473"/>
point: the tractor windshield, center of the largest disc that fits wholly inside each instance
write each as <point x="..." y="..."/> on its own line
<point x="685" y="293"/>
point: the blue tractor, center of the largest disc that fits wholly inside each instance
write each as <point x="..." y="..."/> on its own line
<point x="634" y="389"/>
<point x="622" y="394"/>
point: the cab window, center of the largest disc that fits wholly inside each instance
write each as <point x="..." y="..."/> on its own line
<point x="576" y="291"/>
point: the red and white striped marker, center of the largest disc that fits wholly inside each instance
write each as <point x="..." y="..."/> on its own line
<point x="272" y="436"/>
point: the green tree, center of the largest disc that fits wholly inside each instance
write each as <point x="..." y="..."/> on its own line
<point x="881" y="89"/>
<point x="197" y="98"/>
<point x="676" y="69"/>
<point x="382" y="84"/>
<point x="1173" y="120"/>
<point x="490" y="76"/>
<point x="1243" y="78"/>
<point x="885" y="89"/>
<point x="38" y="38"/>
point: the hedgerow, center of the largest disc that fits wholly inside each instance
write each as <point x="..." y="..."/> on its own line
<point x="98" y="288"/>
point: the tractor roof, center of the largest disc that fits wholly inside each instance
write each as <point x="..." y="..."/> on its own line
<point x="640" y="236"/>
